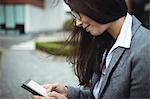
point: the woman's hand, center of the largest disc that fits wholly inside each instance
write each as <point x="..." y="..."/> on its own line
<point x="55" y="91"/>
<point x="51" y="95"/>
<point x="56" y="87"/>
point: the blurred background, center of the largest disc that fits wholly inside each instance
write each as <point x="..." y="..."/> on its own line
<point x="32" y="33"/>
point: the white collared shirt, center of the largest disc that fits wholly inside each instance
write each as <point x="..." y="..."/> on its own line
<point x="123" y="40"/>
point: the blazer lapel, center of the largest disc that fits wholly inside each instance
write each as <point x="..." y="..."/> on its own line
<point x="116" y="56"/>
<point x="94" y="79"/>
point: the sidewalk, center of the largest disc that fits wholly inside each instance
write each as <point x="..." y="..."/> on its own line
<point x="30" y="44"/>
<point x="18" y="65"/>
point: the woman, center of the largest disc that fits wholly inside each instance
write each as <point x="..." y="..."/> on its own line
<point x="112" y="53"/>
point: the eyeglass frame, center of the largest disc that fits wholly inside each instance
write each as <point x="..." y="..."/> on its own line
<point x="75" y="14"/>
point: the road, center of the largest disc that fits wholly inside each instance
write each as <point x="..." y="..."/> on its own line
<point x="18" y="65"/>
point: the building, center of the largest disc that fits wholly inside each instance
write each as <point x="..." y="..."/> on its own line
<point x="31" y="16"/>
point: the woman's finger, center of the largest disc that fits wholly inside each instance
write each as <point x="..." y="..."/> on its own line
<point x="37" y="97"/>
<point x="50" y="87"/>
<point x="46" y="85"/>
<point x="57" y="95"/>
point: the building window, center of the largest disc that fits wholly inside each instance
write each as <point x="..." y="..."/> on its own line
<point x="12" y="18"/>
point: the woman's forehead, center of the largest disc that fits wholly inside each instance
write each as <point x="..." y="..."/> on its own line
<point x="102" y="11"/>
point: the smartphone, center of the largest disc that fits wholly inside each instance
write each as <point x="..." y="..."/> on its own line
<point x="34" y="88"/>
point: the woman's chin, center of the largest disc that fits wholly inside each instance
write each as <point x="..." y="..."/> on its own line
<point x="95" y="33"/>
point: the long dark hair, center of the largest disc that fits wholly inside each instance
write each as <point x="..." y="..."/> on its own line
<point x="89" y="50"/>
<point x="87" y="54"/>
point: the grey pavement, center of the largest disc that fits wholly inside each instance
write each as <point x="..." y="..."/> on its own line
<point x="7" y="41"/>
<point x="20" y="64"/>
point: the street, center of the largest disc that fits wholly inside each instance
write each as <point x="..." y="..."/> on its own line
<point x="19" y="65"/>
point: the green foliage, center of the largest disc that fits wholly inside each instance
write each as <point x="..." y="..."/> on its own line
<point x="55" y="48"/>
<point x="68" y="25"/>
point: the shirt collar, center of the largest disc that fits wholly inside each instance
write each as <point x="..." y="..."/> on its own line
<point x="124" y="38"/>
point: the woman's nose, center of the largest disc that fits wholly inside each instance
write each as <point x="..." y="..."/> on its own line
<point x="78" y="23"/>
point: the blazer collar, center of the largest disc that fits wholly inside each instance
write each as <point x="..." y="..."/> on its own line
<point x="135" y="25"/>
<point x="118" y="52"/>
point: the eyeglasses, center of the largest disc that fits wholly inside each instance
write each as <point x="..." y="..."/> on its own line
<point x="75" y="15"/>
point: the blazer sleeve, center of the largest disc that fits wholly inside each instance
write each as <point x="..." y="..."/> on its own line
<point x="77" y="93"/>
<point x="140" y="75"/>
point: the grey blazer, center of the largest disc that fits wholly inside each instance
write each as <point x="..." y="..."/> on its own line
<point x="128" y="75"/>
